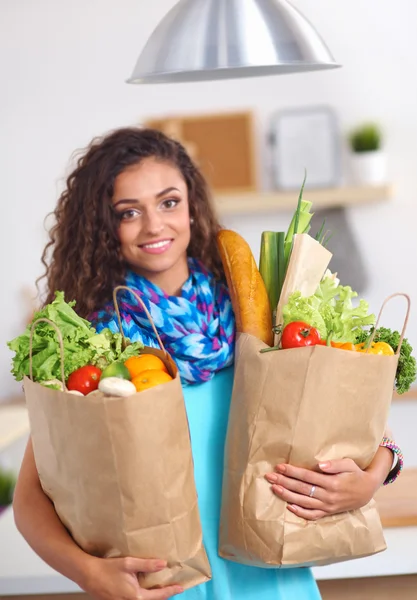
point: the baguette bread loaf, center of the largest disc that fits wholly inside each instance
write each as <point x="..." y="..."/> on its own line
<point x="246" y="287"/>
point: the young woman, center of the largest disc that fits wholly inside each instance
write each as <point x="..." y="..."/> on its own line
<point x="136" y="210"/>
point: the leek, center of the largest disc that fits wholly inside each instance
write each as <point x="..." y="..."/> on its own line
<point x="268" y="266"/>
<point x="300" y="223"/>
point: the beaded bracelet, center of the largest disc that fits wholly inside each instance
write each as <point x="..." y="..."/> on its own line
<point x="395" y="472"/>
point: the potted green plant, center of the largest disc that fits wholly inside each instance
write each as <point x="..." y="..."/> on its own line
<point x="7" y="485"/>
<point x="367" y="155"/>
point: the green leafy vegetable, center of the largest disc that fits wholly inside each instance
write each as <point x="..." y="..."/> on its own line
<point x="54" y="384"/>
<point x="276" y="249"/>
<point x="108" y="348"/>
<point x="407" y="365"/>
<point x="300" y="223"/>
<point x="307" y="310"/>
<point x="82" y="344"/>
<point x="7" y="485"/>
<point x="323" y="236"/>
<point x="330" y="310"/>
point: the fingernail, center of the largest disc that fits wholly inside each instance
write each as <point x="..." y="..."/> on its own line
<point x="179" y="590"/>
<point x="161" y="564"/>
<point x="271" y="477"/>
<point x="278" y="489"/>
<point x="294" y="507"/>
<point x="324" y="465"/>
<point x="281" y="468"/>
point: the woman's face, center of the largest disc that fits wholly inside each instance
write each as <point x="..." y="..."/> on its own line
<point x="151" y="199"/>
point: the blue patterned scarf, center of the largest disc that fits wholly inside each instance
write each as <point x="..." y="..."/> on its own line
<point x="197" y="327"/>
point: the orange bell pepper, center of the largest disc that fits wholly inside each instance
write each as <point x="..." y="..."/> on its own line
<point x="340" y="345"/>
<point x="345" y="346"/>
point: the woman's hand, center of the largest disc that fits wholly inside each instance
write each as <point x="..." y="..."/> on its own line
<point x="116" y="579"/>
<point x="341" y="486"/>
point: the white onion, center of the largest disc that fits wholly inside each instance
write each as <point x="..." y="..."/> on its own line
<point x="114" y="386"/>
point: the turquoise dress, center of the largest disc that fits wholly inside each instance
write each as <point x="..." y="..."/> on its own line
<point x="208" y="410"/>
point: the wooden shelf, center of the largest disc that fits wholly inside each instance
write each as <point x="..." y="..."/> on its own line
<point x="258" y="202"/>
<point x="397" y="503"/>
<point x="410" y="395"/>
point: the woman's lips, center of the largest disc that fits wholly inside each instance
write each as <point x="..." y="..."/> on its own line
<point x="158" y="247"/>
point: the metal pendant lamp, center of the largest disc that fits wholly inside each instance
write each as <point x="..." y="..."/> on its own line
<point x="204" y="40"/>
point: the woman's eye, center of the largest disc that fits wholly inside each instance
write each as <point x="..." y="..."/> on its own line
<point x="170" y="203"/>
<point x="127" y="215"/>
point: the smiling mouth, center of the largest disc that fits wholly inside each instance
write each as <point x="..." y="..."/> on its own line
<point x="158" y="247"/>
<point x="155" y="245"/>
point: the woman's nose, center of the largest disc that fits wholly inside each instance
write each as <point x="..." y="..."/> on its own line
<point x="153" y="222"/>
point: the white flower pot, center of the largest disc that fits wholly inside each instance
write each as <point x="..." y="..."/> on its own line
<point x="368" y="168"/>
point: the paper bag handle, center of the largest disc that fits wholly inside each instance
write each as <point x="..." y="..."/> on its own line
<point x="60" y="342"/>
<point x="407" y="297"/>
<point x="141" y="302"/>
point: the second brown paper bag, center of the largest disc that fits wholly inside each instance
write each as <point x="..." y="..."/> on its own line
<point x="300" y="406"/>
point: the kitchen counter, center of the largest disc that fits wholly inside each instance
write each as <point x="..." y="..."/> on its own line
<point x="23" y="572"/>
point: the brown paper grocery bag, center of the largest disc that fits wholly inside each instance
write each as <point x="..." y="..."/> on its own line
<point x="300" y="406"/>
<point x="119" y="472"/>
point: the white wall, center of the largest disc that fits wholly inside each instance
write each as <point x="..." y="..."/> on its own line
<point x="62" y="71"/>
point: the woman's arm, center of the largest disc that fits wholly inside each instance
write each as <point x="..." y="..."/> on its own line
<point x="37" y="521"/>
<point x="381" y="466"/>
<point x="103" y="579"/>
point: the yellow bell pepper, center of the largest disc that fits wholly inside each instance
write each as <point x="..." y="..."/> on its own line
<point x="376" y="348"/>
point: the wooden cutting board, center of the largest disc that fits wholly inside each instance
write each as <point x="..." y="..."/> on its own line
<point x="222" y="145"/>
<point x="397" y="502"/>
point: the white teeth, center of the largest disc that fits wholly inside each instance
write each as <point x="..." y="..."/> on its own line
<point x="157" y="244"/>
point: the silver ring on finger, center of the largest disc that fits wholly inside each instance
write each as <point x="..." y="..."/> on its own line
<point x="313" y="489"/>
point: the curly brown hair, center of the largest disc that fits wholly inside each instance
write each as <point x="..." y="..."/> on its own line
<point x="82" y="257"/>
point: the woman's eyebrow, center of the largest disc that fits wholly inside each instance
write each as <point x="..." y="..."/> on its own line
<point x="166" y="191"/>
<point x="136" y="201"/>
<point x="126" y="201"/>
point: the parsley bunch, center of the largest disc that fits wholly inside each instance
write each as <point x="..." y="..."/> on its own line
<point x="407" y="365"/>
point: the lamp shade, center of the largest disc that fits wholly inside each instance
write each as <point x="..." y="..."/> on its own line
<point x="203" y="40"/>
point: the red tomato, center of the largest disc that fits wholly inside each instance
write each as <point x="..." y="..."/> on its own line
<point x="85" y="379"/>
<point x="299" y="334"/>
